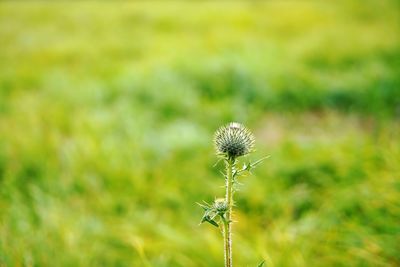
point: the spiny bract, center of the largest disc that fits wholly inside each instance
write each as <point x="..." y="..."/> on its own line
<point x="233" y="140"/>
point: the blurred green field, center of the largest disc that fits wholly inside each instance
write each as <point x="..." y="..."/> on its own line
<point x="107" y="112"/>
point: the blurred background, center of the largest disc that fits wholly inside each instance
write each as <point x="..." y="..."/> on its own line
<point x="107" y="113"/>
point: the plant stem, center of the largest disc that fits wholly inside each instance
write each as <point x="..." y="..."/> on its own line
<point x="228" y="221"/>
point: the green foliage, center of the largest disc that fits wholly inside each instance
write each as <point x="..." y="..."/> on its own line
<point x="107" y="111"/>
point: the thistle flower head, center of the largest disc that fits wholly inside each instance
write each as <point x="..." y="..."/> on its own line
<point x="233" y="140"/>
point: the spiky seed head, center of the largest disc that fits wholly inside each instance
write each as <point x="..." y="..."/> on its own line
<point x="233" y="140"/>
<point x="220" y="205"/>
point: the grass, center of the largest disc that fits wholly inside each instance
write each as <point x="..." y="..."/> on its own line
<point x="106" y="119"/>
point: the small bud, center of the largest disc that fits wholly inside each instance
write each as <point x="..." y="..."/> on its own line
<point x="220" y="205"/>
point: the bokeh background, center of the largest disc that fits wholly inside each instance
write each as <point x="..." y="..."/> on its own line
<point x="107" y="113"/>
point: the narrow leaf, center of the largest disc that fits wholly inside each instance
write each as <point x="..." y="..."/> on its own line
<point x="203" y="206"/>
<point x="213" y="222"/>
<point x="258" y="161"/>
<point x="261" y="264"/>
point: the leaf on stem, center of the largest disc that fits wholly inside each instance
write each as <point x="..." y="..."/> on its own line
<point x="206" y="218"/>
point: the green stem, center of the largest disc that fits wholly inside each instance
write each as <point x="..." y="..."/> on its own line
<point x="228" y="221"/>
